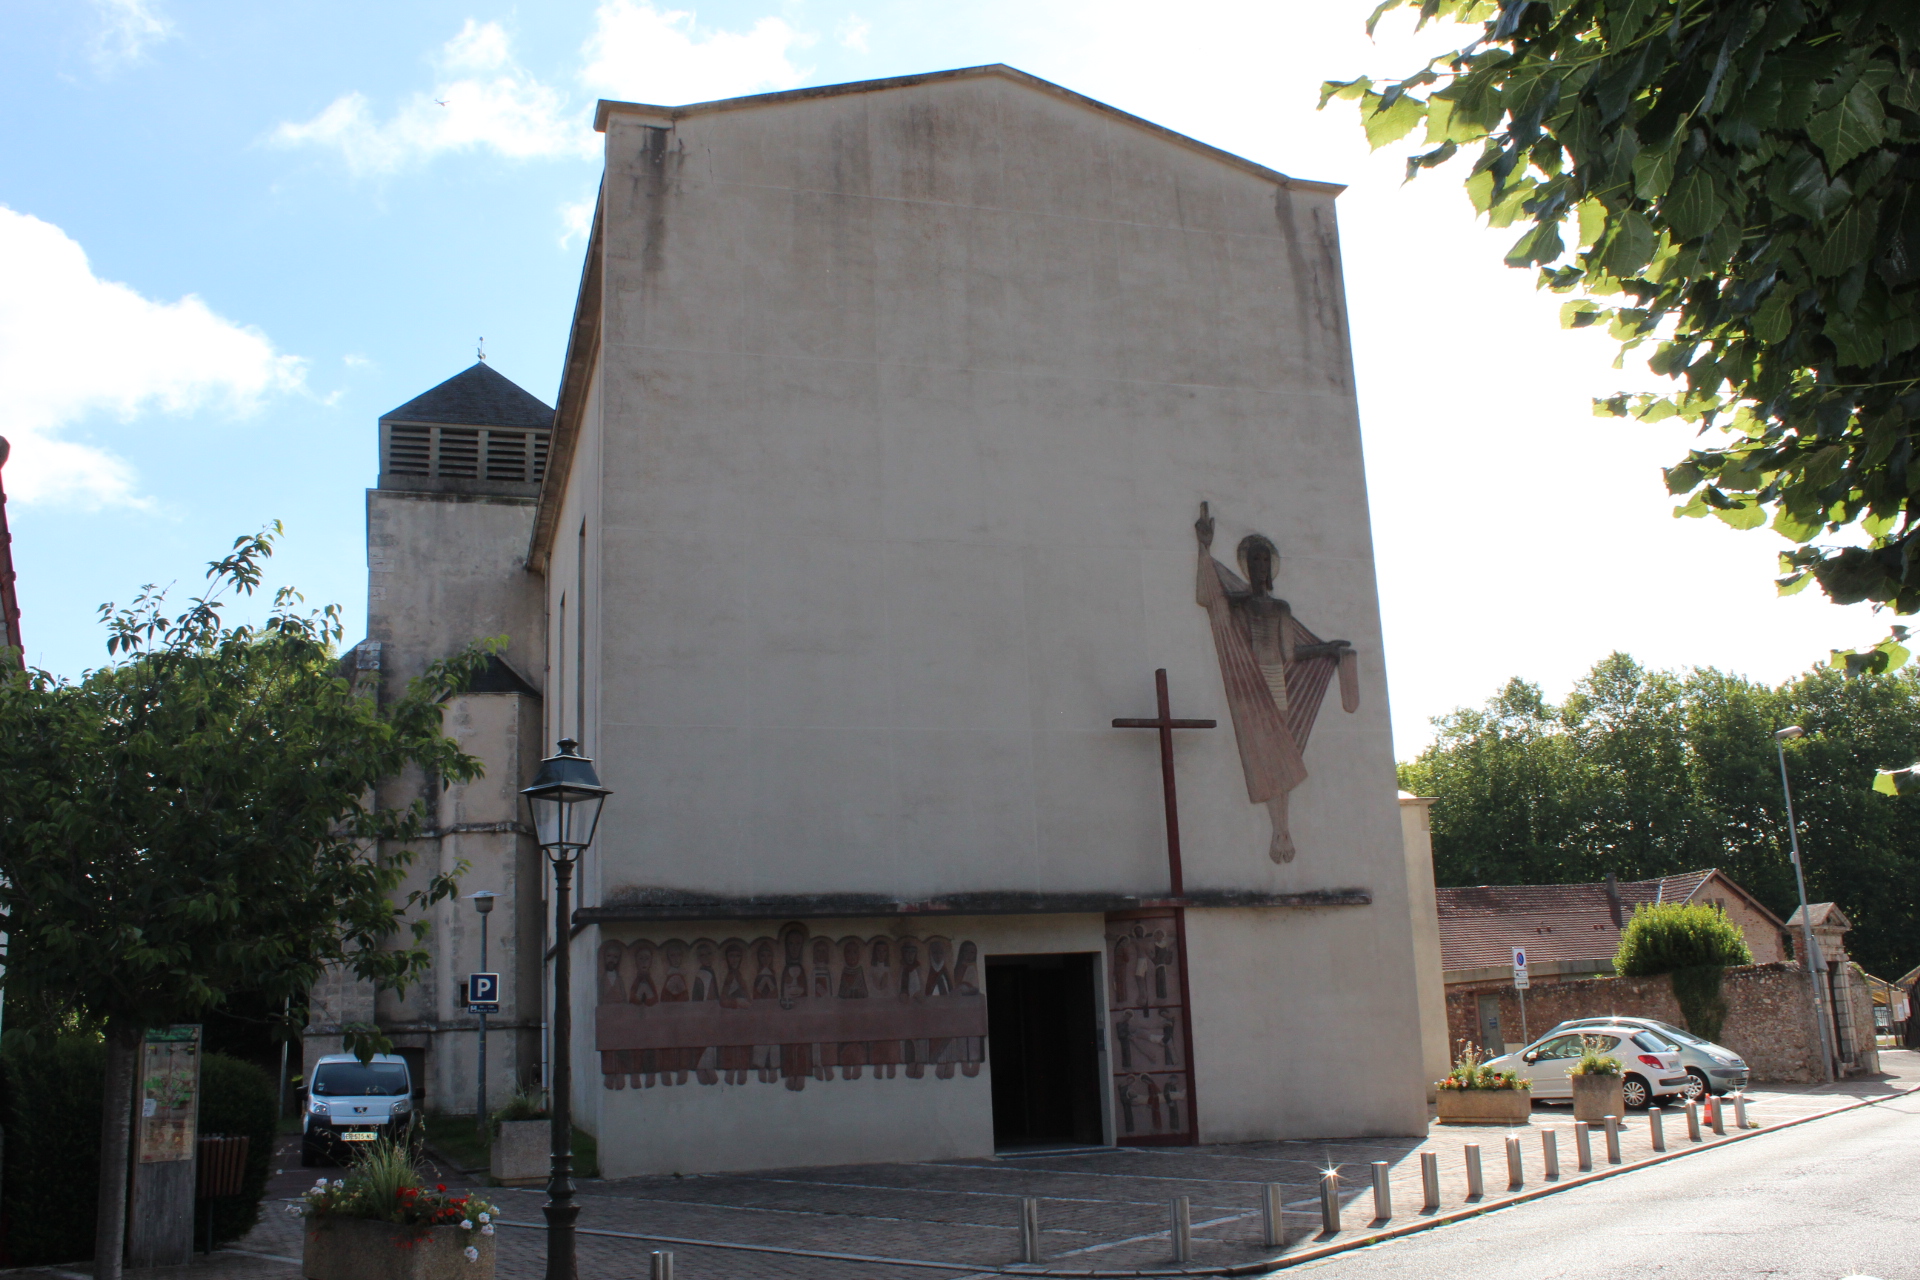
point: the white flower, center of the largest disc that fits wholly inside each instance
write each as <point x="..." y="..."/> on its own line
<point x="486" y="1217"/>
<point x="473" y="1254"/>
<point x="467" y="1225"/>
<point x="339" y="1182"/>
<point x="487" y="1230"/>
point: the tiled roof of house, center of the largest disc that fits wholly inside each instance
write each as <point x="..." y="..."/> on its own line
<point x="1480" y="925"/>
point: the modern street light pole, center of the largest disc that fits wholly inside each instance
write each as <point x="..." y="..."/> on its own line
<point x="483" y="903"/>
<point x="565" y="801"/>
<point x="1815" y="971"/>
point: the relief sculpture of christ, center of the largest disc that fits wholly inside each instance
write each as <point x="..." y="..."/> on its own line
<point x="1276" y="672"/>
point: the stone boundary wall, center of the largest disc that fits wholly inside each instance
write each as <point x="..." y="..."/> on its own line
<point x="1766" y="1013"/>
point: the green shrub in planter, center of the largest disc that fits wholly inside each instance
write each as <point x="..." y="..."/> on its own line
<point x="1691" y="942"/>
<point x="50" y="1104"/>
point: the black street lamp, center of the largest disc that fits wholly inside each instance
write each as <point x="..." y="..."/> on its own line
<point x="564" y="802"/>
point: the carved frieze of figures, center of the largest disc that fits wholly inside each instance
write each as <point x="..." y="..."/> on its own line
<point x="787" y="1009"/>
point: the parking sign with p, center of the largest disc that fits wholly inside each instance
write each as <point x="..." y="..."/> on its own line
<point x="483" y="992"/>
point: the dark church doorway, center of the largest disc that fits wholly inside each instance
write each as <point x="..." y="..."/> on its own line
<point x="1043" y="1047"/>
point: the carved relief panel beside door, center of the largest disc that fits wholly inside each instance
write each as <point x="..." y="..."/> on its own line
<point x="1152" y="1078"/>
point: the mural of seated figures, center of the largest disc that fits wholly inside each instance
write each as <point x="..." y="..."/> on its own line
<point x="791" y="1008"/>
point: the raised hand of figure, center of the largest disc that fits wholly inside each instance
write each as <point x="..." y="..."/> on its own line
<point x="1204" y="526"/>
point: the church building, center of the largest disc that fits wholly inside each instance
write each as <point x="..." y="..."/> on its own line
<point x="950" y="542"/>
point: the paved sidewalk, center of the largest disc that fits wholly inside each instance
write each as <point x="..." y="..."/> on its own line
<point x="1104" y="1210"/>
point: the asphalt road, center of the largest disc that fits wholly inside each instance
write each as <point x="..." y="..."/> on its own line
<point x="1835" y="1198"/>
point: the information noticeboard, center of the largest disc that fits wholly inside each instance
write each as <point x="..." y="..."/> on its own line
<point x="169" y="1094"/>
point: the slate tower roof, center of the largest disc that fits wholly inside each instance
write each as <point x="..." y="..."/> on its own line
<point x="476" y="397"/>
<point x="477" y="433"/>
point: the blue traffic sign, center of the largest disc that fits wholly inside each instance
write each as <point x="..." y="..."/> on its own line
<point x="483" y="992"/>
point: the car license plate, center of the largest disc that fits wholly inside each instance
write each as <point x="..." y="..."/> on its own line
<point x="358" y="1135"/>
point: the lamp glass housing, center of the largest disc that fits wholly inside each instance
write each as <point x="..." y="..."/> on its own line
<point x="564" y="802"/>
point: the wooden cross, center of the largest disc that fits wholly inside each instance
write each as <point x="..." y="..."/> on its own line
<point x="1166" y="724"/>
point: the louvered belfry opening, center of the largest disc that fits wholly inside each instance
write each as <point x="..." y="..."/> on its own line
<point x="465" y="453"/>
<point x="475" y="433"/>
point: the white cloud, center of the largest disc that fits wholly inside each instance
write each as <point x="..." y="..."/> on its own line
<point x="73" y="345"/>
<point x="644" y="54"/>
<point x="127" y="29"/>
<point x="478" y="47"/>
<point x="483" y="100"/>
<point x="576" y="220"/>
<point x="853" y="33"/>
<point x="495" y="106"/>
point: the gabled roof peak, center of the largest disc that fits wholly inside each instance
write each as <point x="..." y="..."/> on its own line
<point x="654" y="113"/>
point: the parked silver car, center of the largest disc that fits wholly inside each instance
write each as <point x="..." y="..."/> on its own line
<point x="1650" y="1062"/>
<point x="1715" y="1068"/>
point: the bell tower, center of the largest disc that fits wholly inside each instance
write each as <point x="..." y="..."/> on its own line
<point x="448" y="524"/>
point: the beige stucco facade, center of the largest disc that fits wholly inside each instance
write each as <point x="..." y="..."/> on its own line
<point x="889" y="416"/>
<point x="886" y="419"/>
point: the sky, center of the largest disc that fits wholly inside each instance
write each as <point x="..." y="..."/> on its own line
<point x="234" y="234"/>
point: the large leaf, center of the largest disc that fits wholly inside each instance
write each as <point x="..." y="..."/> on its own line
<point x="1853" y="125"/>
<point x="1694" y="207"/>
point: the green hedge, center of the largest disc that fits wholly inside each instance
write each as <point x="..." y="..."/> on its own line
<point x="50" y="1100"/>
<point x="239" y="1099"/>
<point x="50" y="1179"/>
<point x="1691" y="942"/>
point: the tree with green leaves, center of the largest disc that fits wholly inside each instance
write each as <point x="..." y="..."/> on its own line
<point x="1732" y="183"/>
<point x="1650" y="773"/>
<point x="194" y="820"/>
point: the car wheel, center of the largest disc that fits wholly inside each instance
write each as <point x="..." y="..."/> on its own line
<point x="1697" y="1085"/>
<point x="1635" y="1093"/>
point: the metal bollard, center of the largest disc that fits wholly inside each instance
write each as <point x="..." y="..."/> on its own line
<point x="1182" y="1229"/>
<point x="1693" y="1120"/>
<point x="1613" y="1138"/>
<point x="1583" y="1144"/>
<point x="1273" y="1220"/>
<point x="1472" y="1153"/>
<point x="1382" y="1192"/>
<point x="1550" y="1152"/>
<point x="1516" y="1173"/>
<point x="660" y="1265"/>
<point x="1656" y="1128"/>
<point x="1717" y="1114"/>
<point x="1740" y="1111"/>
<point x="1429" y="1181"/>
<point x="1330" y="1203"/>
<point x="1029" y="1230"/>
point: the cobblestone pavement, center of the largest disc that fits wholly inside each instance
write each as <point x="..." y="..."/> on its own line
<point x="1103" y="1209"/>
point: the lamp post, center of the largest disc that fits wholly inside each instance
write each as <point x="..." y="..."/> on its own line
<point x="564" y="802"/>
<point x="1810" y="947"/>
<point x="483" y="903"/>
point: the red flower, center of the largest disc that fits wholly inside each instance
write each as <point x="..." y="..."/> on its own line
<point x="440" y="1187"/>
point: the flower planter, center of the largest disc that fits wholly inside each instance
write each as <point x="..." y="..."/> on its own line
<point x="367" y="1249"/>
<point x="521" y="1153"/>
<point x="1596" y="1097"/>
<point x="1485" y="1106"/>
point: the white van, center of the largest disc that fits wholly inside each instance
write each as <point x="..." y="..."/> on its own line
<point x="350" y="1102"/>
